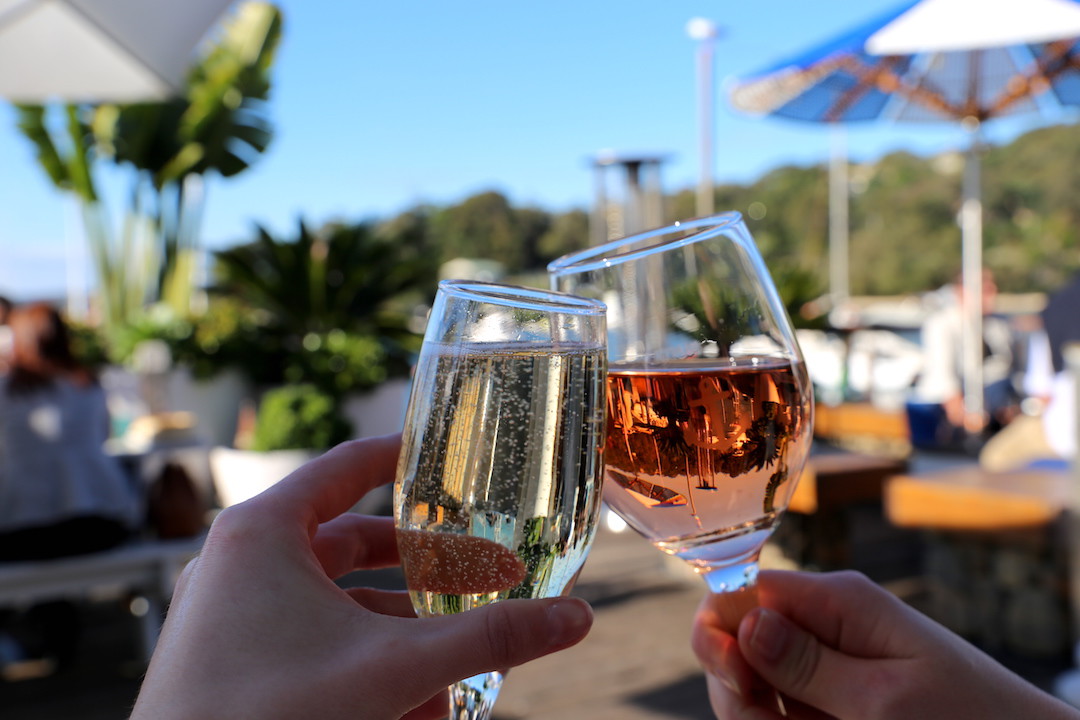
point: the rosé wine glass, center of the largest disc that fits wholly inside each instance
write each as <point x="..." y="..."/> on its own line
<point x="709" y="401"/>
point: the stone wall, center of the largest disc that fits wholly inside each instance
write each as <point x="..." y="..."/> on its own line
<point x="1005" y="591"/>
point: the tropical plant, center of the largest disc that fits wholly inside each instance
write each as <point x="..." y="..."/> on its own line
<point x="219" y="126"/>
<point x="333" y="307"/>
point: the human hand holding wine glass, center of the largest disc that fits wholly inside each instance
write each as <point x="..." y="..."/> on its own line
<point x="709" y="402"/>
<point x="498" y="485"/>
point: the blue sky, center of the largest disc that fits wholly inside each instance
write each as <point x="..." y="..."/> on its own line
<point x="379" y="106"/>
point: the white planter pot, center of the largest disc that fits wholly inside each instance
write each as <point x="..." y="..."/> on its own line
<point x="214" y="401"/>
<point x="242" y="474"/>
<point x="380" y="411"/>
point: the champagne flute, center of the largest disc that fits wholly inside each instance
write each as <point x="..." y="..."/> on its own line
<point x="498" y="483"/>
<point x="709" y="401"/>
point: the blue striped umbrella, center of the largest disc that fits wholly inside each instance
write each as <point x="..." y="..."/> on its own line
<point x="966" y="61"/>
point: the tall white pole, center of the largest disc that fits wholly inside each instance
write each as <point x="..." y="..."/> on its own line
<point x="839" y="275"/>
<point x="972" y="272"/>
<point x="705" y="32"/>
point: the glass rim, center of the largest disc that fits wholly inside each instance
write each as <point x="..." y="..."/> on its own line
<point x="522" y="297"/>
<point x="613" y="252"/>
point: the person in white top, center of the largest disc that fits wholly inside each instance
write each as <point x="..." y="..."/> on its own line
<point x="1046" y="437"/>
<point x="942" y="369"/>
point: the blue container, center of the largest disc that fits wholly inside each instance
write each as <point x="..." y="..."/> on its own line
<point x="925" y="424"/>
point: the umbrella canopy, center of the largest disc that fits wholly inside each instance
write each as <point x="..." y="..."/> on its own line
<point x="965" y="61"/>
<point x="99" y="50"/>
<point x="930" y="60"/>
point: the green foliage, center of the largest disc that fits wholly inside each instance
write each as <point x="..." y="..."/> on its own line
<point x="487" y="226"/>
<point x="226" y="335"/>
<point x="339" y="362"/>
<point x="88" y="346"/>
<point x="332" y="307"/>
<point x="787" y="213"/>
<point x="904" y="231"/>
<point x="904" y="236"/>
<point x="568" y="232"/>
<point x="298" y="417"/>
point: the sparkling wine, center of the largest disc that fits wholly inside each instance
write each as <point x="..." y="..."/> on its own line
<point x="499" y="485"/>
<point x="699" y="453"/>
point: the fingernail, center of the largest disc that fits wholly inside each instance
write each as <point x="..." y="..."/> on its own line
<point x="714" y="666"/>
<point x="769" y="635"/>
<point x="728" y="682"/>
<point x="714" y="659"/>
<point x="568" y="621"/>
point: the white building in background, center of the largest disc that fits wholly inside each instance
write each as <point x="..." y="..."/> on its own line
<point x="879" y="358"/>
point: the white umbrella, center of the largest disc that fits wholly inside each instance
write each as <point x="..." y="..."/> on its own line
<point x="99" y="50"/>
<point x="963" y="61"/>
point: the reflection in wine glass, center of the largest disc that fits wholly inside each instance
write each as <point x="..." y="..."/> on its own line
<point x="498" y="484"/>
<point x="709" y="402"/>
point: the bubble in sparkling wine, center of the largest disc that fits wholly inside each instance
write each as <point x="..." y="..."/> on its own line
<point x="457" y="564"/>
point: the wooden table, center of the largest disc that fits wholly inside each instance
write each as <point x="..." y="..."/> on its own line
<point x="836" y="508"/>
<point x="973" y="499"/>
<point x="835" y="480"/>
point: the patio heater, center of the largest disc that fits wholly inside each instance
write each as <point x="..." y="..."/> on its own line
<point x="630" y="206"/>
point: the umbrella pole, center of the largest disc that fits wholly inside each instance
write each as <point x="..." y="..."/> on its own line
<point x="971" y="237"/>
<point x="838" y="219"/>
<point x="706" y="198"/>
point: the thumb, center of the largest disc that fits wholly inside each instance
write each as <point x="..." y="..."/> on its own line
<point x="505" y="634"/>
<point x="796" y="663"/>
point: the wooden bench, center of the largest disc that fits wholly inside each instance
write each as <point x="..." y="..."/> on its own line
<point x="145" y="568"/>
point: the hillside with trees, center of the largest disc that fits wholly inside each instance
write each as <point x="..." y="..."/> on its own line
<point x="903" y="221"/>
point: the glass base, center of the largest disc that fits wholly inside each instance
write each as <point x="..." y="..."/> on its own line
<point x="726" y="558"/>
<point x="730" y="578"/>
<point x="473" y="698"/>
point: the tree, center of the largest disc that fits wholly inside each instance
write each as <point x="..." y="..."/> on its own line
<point x="568" y="232"/>
<point x="331" y="303"/>
<point x="483" y="226"/>
<point x="218" y="127"/>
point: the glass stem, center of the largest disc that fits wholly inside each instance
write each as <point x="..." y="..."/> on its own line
<point x="736" y="595"/>
<point x="473" y="698"/>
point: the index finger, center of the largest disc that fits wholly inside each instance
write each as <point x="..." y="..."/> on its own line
<point x="332" y="483"/>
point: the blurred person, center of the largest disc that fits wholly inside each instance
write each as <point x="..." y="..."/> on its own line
<point x="941" y="377"/>
<point x="60" y="493"/>
<point x="1049" y="377"/>
<point x="1047" y="436"/>
<point x="258" y="628"/>
<point x="837" y="645"/>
